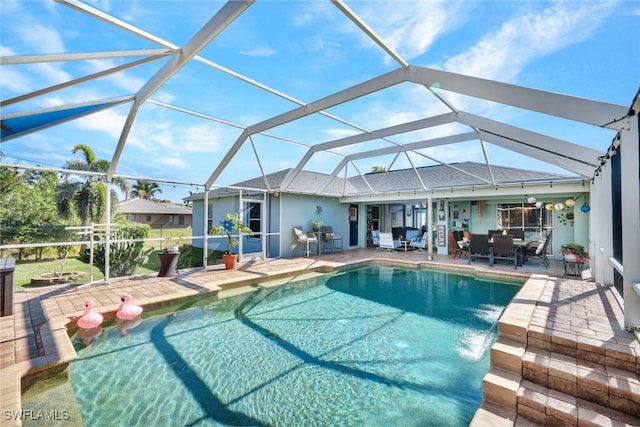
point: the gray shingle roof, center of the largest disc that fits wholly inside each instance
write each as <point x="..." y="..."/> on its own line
<point x="144" y="206"/>
<point x="465" y="174"/>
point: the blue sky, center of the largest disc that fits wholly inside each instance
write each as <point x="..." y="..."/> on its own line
<point x="308" y="50"/>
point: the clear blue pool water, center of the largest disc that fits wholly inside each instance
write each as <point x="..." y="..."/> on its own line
<point x="373" y="346"/>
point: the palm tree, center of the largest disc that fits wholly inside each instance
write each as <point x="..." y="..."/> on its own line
<point x="145" y="189"/>
<point x="88" y="198"/>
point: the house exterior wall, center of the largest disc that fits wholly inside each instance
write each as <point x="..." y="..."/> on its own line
<point x="288" y="210"/>
<point x="298" y="210"/>
<point x="157" y="221"/>
<point x="562" y="233"/>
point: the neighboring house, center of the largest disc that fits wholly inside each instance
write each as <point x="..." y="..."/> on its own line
<point x="465" y="196"/>
<point x="156" y="215"/>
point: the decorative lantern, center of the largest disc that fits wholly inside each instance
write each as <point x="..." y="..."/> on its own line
<point x="585" y="207"/>
<point x="569" y="202"/>
<point x="531" y="200"/>
<point x="559" y="206"/>
<point x="538" y="205"/>
<point x="549" y="207"/>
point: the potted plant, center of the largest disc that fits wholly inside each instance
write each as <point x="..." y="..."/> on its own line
<point x="574" y="252"/>
<point x="316" y="224"/>
<point x="230" y="224"/>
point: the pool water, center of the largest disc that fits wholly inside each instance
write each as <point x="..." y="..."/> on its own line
<point x="372" y="346"/>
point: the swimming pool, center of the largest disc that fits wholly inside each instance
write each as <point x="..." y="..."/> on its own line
<point x="372" y="346"/>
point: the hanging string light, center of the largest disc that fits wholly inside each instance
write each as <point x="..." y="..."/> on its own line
<point x="611" y="151"/>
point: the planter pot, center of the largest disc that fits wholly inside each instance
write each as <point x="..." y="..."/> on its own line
<point x="570" y="257"/>
<point x="230" y="261"/>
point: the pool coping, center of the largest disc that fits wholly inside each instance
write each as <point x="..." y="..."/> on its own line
<point x="54" y="338"/>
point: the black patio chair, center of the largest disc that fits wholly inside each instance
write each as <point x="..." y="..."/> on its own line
<point x="479" y="248"/>
<point x="503" y="248"/>
<point x="538" y="251"/>
<point x="461" y="245"/>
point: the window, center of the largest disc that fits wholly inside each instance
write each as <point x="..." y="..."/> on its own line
<point x="131" y="217"/>
<point x="181" y="219"/>
<point x="171" y="219"/>
<point x="148" y="218"/>
<point x="523" y="216"/>
<point x="254" y="217"/>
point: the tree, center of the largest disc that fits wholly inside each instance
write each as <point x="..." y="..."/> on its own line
<point x="87" y="199"/>
<point x="145" y="189"/>
<point x="377" y="169"/>
<point x="27" y="207"/>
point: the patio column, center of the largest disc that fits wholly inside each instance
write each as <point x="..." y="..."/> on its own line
<point x="630" y="196"/>
<point x="430" y="227"/>
<point x="601" y="245"/>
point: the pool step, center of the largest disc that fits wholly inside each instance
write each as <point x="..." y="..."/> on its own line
<point x="538" y="386"/>
<point x="606" y="386"/>
<point x="539" y="405"/>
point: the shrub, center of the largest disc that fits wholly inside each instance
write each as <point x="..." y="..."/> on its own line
<point x="124" y="256"/>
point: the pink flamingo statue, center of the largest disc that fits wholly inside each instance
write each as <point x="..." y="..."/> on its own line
<point x="89" y="320"/>
<point x="127" y="311"/>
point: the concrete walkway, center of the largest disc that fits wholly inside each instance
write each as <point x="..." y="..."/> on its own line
<point x="34" y="340"/>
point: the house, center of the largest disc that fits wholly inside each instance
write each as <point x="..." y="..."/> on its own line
<point x="464" y="196"/>
<point x="156" y="215"/>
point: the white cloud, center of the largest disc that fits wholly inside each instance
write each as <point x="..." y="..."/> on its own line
<point x="503" y="54"/>
<point x="123" y="79"/>
<point x="14" y="80"/>
<point x="41" y="39"/>
<point x="334" y="133"/>
<point x="411" y="28"/>
<point x="173" y="161"/>
<point x="259" y="51"/>
<point x="6" y="51"/>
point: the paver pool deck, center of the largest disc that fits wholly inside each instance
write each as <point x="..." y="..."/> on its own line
<point x="35" y="340"/>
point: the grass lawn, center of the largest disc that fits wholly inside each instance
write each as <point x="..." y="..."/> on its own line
<point x="28" y="268"/>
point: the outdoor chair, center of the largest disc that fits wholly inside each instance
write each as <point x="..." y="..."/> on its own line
<point x="306" y="239"/>
<point x="479" y="248"/>
<point x="330" y="239"/>
<point x="387" y="243"/>
<point x="419" y="244"/>
<point x="541" y="250"/>
<point x="462" y="246"/>
<point x="412" y="234"/>
<point x="517" y="234"/>
<point x="491" y="233"/>
<point x="503" y="248"/>
<point x="375" y="235"/>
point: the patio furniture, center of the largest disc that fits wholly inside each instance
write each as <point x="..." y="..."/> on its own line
<point x="491" y="233"/>
<point x="330" y="239"/>
<point x="419" y="244"/>
<point x="7" y="268"/>
<point x="503" y="248"/>
<point x="462" y="246"/>
<point x="375" y="236"/>
<point x="412" y="234"/>
<point x="479" y="248"/>
<point x="517" y="234"/>
<point x="541" y="250"/>
<point x="306" y="239"/>
<point x="387" y="243"/>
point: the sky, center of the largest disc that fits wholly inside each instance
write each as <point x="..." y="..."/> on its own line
<point x="306" y="50"/>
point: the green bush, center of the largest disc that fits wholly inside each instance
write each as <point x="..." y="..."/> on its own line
<point x="124" y="257"/>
